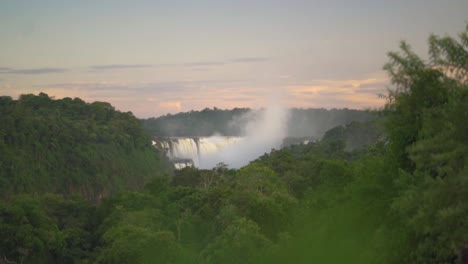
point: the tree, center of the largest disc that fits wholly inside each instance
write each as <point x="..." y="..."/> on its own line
<point x="260" y="195"/>
<point x="240" y="242"/>
<point x="430" y="142"/>
<point x="28" y="234"/>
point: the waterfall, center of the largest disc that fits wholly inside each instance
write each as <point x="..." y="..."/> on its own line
<point x="181" y="150"/>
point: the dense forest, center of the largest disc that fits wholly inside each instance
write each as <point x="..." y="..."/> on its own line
<point x="68" y="146"/>
<point x="205" y="123"/>
<point x="396" y="197"/>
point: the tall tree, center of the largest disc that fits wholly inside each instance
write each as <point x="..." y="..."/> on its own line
<point x="428" y="133"/>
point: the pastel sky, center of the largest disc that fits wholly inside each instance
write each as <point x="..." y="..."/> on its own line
<point x="158" y="57"/>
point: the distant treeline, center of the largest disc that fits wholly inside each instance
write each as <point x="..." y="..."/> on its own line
<point x="197" y="123"/>
<point x="302" y="122"/>
<point x="315" y="122"/>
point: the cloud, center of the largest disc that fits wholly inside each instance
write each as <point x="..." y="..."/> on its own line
<point x="196" y="64"/>
<point x="102" y="86"/>
<point x="169" y="104"/>
<point x="147" y="99"/>
<point x="351" y="93"/>
<point x="250" y="59"/>
<point x="7" y="88"/>
<point x="342" y="86"/>
<point x="32" y="71"/>
<point x="120" y="66"/>
<point x="230" y="61"/>
<point x="160" y="87"/>
<point x="204" y="63"/>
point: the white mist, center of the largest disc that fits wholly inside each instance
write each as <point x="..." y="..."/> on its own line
<point x="262" y="133"/>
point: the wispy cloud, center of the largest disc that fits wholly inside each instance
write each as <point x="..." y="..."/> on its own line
<point x="38" y="71"/>
<point x="353" y="93"/>
<point x="204" y="63"/>
<point x="195" y="64"/>
<point x="147" y="99"/>
<point x="250" y="59"/>
<point x="228" y="61"/>
<point x="120" y="66"/>
<point x="98" y="86"/>
<point x="34" y="71"/>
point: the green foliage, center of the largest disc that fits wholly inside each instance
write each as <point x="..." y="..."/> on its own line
<point x="428" y="134"/>
<point x="132" y="244"/>
<point x="74" y="218"/>
<point x="259" y="194"/>
<point x="71" y="147"/>
<point x="240" y="242"/>
<point x="46" y="229"/>
<point x="28" y="234"/>
<point x="197" y="123"/>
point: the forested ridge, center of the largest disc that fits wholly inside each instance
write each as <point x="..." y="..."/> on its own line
<point x="208" y="122"/>
<point x="401" y="198"/>
<point x="68" y="146"/>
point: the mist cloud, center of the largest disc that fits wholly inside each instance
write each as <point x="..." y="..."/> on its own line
<point x="265" y="130"/>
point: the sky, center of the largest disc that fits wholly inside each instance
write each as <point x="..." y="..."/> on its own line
<point x="158" y="57"/>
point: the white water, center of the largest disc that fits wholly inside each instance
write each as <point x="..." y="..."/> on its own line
<point x="199" y="150"/>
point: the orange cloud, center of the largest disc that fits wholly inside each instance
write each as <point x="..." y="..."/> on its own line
<point x="351" y="93"/>
<point x="171" y="105"/>
<point x="332" y="86"/>
<point x="306" y="90"/>
<point x="368" y="100"/>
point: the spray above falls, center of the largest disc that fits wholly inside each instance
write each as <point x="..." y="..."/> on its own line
<point x="264" y="130"/>
<point x="262" y="133"/>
